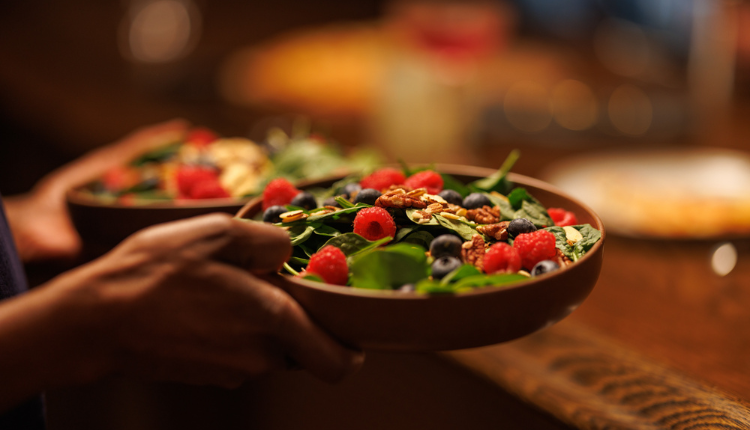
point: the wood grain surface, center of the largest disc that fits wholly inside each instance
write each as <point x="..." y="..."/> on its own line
<point x="589" y="381"/>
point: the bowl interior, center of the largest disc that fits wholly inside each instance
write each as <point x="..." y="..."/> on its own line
<point x="397" y="321"/>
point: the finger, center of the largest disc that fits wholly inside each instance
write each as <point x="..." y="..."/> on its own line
<point x="306" y="343"/>
<point x="257" y="247"/>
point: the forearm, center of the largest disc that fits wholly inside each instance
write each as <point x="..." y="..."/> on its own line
<point x="50" y="336"/>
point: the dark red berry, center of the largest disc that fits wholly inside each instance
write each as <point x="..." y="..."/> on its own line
<point x="534" y="247"/>
<point x="382" y="179"/>
<point x="428" y="179"/>
<point x="330" y="264"/>
<point x="561" y="217"/>
<point x="201" y="136"/>
<point x="189" y="175"/>
<point x="278" y="192"/>
<point x="501" y="258"/>
<point x="210" y="189"/>
<point x="374" y="223"/>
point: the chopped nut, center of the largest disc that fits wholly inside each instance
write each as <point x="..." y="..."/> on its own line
<point x="398" y="198"/>
<point x="472" y="252"/>
<point x="561" y="259"/>
<point x="497" y="231"/>
<point x="416" y="193"/>
<point x="484" y="215"/>
<point x="450" y="215"/>
<point x="461" y="212"/>
<point x="292" y="216"/>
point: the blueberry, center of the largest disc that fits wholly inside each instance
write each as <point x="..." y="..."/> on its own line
<point x="304" y="200"/>
<point x="520" y="225"/>
<point x="331" y="201"/>
<point x="544" y="266"/>
<point x="476" y="201"/>
<point x="444" y="265"/>
<point x="351" y="188"/>
<point x="367" y="195"/>
<point x="273" y="213"/>
<point x="452" y="196"/>
<point x="445" y="245"/>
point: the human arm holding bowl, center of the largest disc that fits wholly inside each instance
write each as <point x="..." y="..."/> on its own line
<point x="41" y="225"/>
<point x="183" y="301"/>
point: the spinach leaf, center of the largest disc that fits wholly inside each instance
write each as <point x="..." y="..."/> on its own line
<point x="389" y="267"/>
<point x="335" y="216"/>
<point x="462" y="228"/>
<point x="352" y="243"/>
<point x="578" y="249"/>
<point x="518" y="196"/>
<point x="451" y="183"/>
<point x="419" y="237"/>
<point x="300" y="233"/>
<point x="534" y="212"/>
<point x="506" y="210"/>
<point x="462" y="272"/>
<point x="325" y="230"/>
<point x="497" y="181"/>
<point x="159" y="154"/>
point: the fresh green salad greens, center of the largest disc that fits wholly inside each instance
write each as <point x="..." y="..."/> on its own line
<point x="406" y="258"/>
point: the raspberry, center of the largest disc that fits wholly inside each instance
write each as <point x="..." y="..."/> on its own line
<point x="278" y="192"/>
<point x="426" y="179"/>
<point x="208" y="190"/>
<point x="382" y="179"/>
<point x="201" y="137"/>
<point x="561" y="217"/>
<point x="534" y="247"/>
<point x="189" y="176"/>
<point x="374" y="223"/>
<point x="330" y="264"/>
<point x="501" y="258"/>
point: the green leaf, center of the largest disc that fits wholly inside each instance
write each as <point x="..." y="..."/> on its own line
<point x="300" y="233"/>
<point x="462" y="228"/>
<point x="410" y="214"/>
<point x="345" y="204"/>
<point x="497" y="181"/>
<point x="352" y="243"/>
<point x="462" y="272"/>
<point x="579" y="249"/>
<point x="335" y="216"/>
<point x="518" y="196"/>
<point x="506" y="209"/>
<point x="389" y="267"/>
<point x="428" y="286"/>
<point x="157" y="155"/>
<point x="451" y="183"/>
<point x="534" y="212"/>
<point x="326" y="230"/>
<point x="419" y="237"/>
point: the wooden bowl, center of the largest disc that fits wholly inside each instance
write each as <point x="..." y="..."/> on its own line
<point x="398" y="321"/>
<point x="102" y="225"/>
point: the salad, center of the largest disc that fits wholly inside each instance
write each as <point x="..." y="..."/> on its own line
<point x="203" y="165"/>
<point x="419" y="230"/>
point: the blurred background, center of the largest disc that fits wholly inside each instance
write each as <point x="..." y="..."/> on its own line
<point x="422" y="80"/>
<point x="647" y="99"/>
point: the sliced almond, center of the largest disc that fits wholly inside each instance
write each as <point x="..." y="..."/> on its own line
<point x="292" y="216"/>
<point x="572" y="235"/>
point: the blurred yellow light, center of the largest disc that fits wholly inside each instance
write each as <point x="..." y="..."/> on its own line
<point x="527" y="107"/>
<point x="630" y="110"/>
<point x="161" y="31"/>
<point x="574" y="105"/>
<point x="724" y="259"/>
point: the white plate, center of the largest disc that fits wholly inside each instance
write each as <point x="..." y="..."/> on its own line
<point x="692" y="193"/>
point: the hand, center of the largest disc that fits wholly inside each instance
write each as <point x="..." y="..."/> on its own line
<point x="39" y="219"/>
<point x="178" y="302"/>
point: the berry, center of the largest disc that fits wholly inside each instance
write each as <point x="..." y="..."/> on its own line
<point x="189" y="175"/>
<point x="501" y="258"/>
<point x="304" y="200"/>
<point x="429" y="179"/>
<point x="519" y="226"/>
<point x="367" y="195"/>
<point x="446" y="245"/>
<point x="374" y="223"/>
<point x="476" y="201"/>
<point x="382" y="179"/>
<point x="452" y="197"/>
<point x="273" y="214"/>
<point x="201" y="136"/>
<point x="330" y="264"/>
<point x="544" y="266"/>
<point x="561" y="217"/>
<point x="211" y="189"/>
<point x="350" y="189"/>
<point x="534" y="247"/>
<point x="444" y="265"/>
<point x="278" y="192"/>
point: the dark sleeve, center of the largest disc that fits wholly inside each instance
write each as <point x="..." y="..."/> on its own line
<point x="30" y="414"/>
